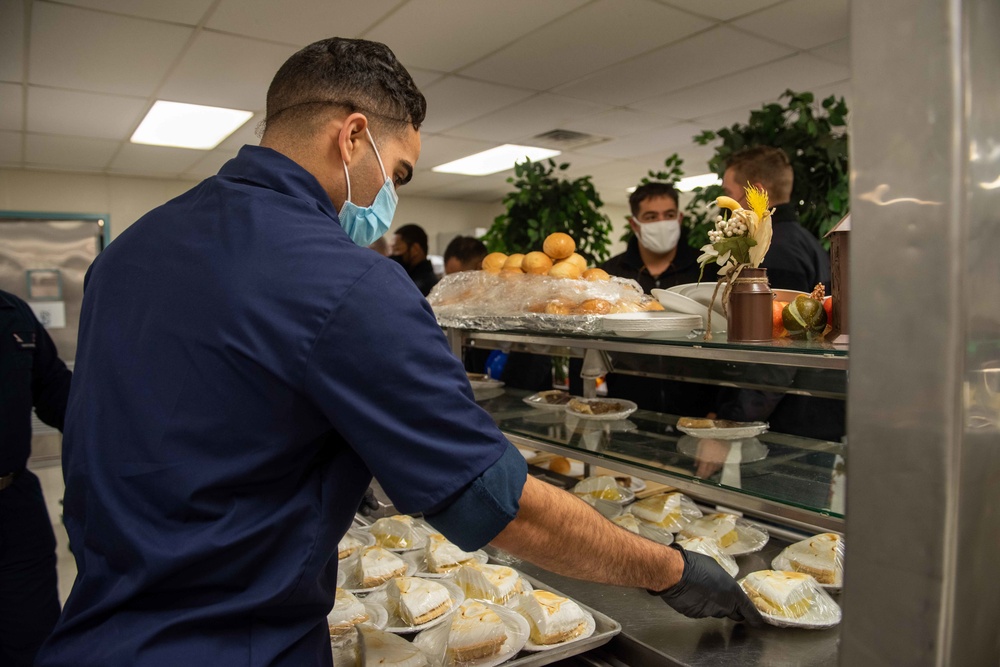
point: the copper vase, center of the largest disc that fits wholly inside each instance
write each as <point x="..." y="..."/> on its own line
<point x="749" y="319"/>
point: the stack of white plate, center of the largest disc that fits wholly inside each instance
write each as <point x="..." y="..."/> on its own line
<point x="654" y="323"/>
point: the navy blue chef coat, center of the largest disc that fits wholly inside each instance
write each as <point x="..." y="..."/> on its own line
<point x="243" y="369"/>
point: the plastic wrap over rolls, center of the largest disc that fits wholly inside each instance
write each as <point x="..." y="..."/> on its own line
<point x="507" y="300"/>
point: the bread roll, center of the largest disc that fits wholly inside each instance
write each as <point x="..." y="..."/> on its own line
<point x="493" y="262"/>
<point x="594" y="307"/>
<point x="653" y="304"/>
<point x="596" y="274"/>
<point x="536" y="262"/>
<point x="558" y="307"/>
<point x="560" y="464"/>
<point x="565" y="270"/>
<point x="577" y="259"/>
<point x="513" y="262"/>
<point x="559" y="245"/>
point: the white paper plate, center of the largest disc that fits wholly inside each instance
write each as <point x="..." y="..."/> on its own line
<point x="637" y="485"/>
<point x="575" y="469"/>
<point x="678" y="303"/>
<point x="589" y="629"/>
<point x="630" y="407"/>
<point x="752" y="449"/>
<point x="537" y="402"/>
<point x="787" y="294"/>
<point x="419" y="559"/>
<point x="396" y="626"/>
<point x="701" y="292"/>
<point x="488" y="383"/>
<point x="748" y="430"/>
<point x="642" y="324"/>
<point x="411" y="570"/>
<point x="825" y="614"/>
<point x="367" y="539"/>
<point x="419" y="542"/>
<point x="517" y="635"/>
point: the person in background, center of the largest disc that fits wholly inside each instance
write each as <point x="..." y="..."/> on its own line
<point x="464" y="253"/>
<point x="381" y="246"/>
<point x="796" y="260"/>
<point x="33" y="376"/>
<point x="409" y="248"/>
<point x="658" y="255"/>
<point x="240" y="379"/>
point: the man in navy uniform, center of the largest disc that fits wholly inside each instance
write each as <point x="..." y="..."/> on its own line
<point x="33" y="376"/>
<point x="246" y="365"/>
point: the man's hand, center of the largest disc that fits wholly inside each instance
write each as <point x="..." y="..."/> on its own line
<point x="705" y="589"/>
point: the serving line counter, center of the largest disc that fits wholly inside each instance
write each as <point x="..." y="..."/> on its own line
<point x="793" y="486"/>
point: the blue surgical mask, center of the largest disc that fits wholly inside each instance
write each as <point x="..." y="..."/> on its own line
<point x="366" y="224"/>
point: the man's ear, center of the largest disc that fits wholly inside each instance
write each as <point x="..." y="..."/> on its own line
<point x="351" y="136"/>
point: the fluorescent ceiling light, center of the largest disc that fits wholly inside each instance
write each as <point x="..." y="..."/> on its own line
<point x="494" y="160"/>
<point x="188" y="125"/>
<point x="691" y="182"/>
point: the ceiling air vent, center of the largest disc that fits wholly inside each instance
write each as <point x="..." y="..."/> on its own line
<point x="565" y="140"/>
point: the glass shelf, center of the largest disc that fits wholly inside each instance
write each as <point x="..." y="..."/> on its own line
<point x="797" y="481"/>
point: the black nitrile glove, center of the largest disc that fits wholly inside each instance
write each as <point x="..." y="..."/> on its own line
<point x="369" y="503"/>
<point x="705" y="589"/>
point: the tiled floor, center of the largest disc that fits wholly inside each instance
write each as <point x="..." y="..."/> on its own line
<point x="51" y="478"/>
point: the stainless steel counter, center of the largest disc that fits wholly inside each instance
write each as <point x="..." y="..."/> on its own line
<point x="653" y="634"/>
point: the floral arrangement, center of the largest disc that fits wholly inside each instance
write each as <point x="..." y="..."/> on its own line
<point x="743" y="237"/>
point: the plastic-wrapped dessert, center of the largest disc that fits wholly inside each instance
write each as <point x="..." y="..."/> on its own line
<point x="602" y="487"/>
<point x="378" y="565"/>
<point x="417" y="601"/>
<point x="384" y="648"/>
<point x="496" y="583"/>
<point x="553" y="619"/>
<point x="708" y="546"/>
<point x="670" y="511"/>
<point x="821" y="556"/>
<point x="476" y="632"/>
<point x="791" y="599"/>
<point x="443" y="556"/>
<point x="347" y="612"/>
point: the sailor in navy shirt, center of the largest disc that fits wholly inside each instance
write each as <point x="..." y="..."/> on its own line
<point x="246" y="365"/>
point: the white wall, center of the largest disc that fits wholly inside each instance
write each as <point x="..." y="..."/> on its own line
<point x="126" y="198"/>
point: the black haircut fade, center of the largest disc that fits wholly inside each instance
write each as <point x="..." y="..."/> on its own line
<point x="466" y="249"/>
<point x="650" y="190"/>
<point x="413" y="234"/>
<point x="356" y="75"/>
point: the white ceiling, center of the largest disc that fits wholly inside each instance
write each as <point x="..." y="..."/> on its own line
<point x="77" y="76"/>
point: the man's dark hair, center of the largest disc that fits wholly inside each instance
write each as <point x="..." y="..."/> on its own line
<point x="650" y="190"/>
<point x="468" y="250"/>
<point x="349" y="74"/>
<point x="767" y="165"/>
<point x="413" y="234"/>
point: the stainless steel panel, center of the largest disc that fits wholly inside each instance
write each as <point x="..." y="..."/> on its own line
<point x="921" y="584"/>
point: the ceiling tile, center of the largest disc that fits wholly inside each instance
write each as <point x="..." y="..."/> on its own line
<point x="705" y="56"/>
<point x="12" y="109"/>
<point x="454" y="33"/>
<point x="210" y="164"/>
<point x="695" y="157"/>
<point x="178" y="11"/>
<point x="760" y="84"/>
<point x="69" y="152"/>
<point x="12" y="41"/>
<point x="10" y="148"/>
<point x="85" y="50"/>
<point x="298" y="22"/>
<point x="836" y="52"/>
<point x="83" y="114"/>
<point x="154" y="160"/>
<point x="718" y="121"/>
<point x="621" y="122"/>
<point x="425" y="180"/>
<point x="721" y="9"/>
<point x="424" y="77"/>
<point x="596" y="36"/>
<point x="454" y="100"/>
<point x="529" y="118"/>
<point x="641" y="143"/>
<point x="802" y="23"/>
<point x="240" y="72"/>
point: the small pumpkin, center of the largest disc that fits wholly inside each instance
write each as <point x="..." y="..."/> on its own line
<point x="805" y="317"/>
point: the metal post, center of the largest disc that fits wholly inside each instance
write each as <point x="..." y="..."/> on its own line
<point x="923" y="524"/>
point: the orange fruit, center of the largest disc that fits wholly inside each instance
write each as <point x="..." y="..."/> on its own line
<point x="777" y="324"/>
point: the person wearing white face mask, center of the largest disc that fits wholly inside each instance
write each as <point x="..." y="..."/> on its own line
<point x="658" y="255"/>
